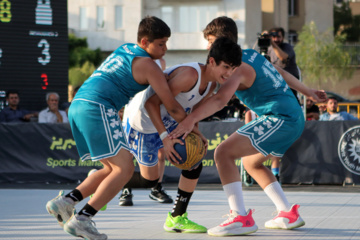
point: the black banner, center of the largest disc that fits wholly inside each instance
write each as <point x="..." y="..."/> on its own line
<point x="326" y="153"/>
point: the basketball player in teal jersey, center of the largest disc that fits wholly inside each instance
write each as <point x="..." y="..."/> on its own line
<point x="148" y="123"/>
<point x="97" y="129"/>
<point x="266" y="91"/>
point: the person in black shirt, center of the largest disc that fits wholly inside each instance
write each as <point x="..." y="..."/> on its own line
<point x="312" y="111"/>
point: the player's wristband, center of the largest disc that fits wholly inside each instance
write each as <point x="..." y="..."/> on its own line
<point x="163" y="135"/>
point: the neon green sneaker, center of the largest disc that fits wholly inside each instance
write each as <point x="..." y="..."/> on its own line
<point x="182" y="224"/>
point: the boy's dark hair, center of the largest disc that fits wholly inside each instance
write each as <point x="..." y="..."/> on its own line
<point x="226" y="50"/>
<point x="222" y="27"/>
<point x="333" y="98"/>
<point x="278" y="29"/>
<point x="152" y="28"/>
<point x="11" y="91"/>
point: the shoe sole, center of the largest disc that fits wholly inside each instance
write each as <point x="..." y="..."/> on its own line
<point x="126" y="204"/>
<point x="176" y="230"/>
<point x="52" y="212"/>
<point x="288" y="228"/>
<point x="160" y="200"/>
<point x="73" y="232"/>
<point x="233" y="234"/>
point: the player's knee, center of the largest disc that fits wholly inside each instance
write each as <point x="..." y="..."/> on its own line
<point x="137" y="181"/>
<point x="193" y="174"/>
<point x="145" y="183"/>
<point x="218" y="154"/>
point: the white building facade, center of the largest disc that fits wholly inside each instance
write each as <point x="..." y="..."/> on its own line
<point x="109" y="23"/>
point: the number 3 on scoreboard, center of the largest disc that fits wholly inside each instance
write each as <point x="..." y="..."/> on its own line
<point x="46" y="58"/>
<point x="5" y="13"/>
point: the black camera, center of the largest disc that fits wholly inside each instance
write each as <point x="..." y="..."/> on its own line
<point x="264" y="42"/>
<point x="264" y="39"/>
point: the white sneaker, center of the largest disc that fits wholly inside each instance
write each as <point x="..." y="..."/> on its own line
<point x="235" y="225"/>
<point x="286" y="220"/>
<point x="60" y="208"/>
<point x="83" y="226"/>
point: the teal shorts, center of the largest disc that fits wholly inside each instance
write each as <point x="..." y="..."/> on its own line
<point x="272" y="135"/>
<point x="97" y="130"/>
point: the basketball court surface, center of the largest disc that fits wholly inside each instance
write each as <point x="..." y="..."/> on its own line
<point x="329" y="213"/>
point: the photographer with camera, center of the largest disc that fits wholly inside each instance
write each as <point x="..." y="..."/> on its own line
<point x="273" y="47"/>
<point x="282" y="54"/>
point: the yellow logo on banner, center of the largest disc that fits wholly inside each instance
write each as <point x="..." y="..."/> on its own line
<point x="60" y="144"/>
<point x="213" y="143"/>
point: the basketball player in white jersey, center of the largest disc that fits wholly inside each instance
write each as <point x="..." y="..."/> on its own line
<point x="157" y="192"/>
<point x="147" y="124"/>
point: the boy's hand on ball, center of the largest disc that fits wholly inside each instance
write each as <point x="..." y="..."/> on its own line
<point x="170" y="151"/>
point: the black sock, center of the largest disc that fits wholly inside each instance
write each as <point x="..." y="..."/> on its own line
<point x="181" y="203"/>
<point x="158" y="186"/>
<point x="75" y="195"/>
<point x="88" y="211"/>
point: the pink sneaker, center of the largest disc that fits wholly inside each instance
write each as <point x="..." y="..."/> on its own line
<point x="286" y="220"/>
<point x="235" y="225"/>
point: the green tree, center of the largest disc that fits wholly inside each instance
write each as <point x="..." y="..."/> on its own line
<point x="82" y="60"/>
<point x="346" y="23"/>
<point x="321" y="57"/>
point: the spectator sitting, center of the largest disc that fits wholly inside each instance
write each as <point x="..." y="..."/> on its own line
<point x="52" y="114"/>
<point x="13" y="113"/>
<point x="322" y="108"/>
<point x="333" y="115"/>
<point x="312" y="111"/>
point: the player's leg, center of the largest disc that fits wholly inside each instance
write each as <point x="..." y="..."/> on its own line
<point x="245" y="176"/>
<point x="275" y="167"/>
<point x="158" y="193"/>
<point x="144" y="148"/>
<point x="272" y="140"/>
<point x="240" y="221"/>
<point x="288" y="216"/>
<point x="62" y="207"/>
<point x="121" y="168"/>
<point x="177" y="220"/>
<point x="114" y="154"/>
<point x="146" y="178"/>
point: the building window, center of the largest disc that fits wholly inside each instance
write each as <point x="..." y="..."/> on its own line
<point x="292" y="37"/>
<point x="167" y="15"/>
<point x="188" y="18"/>
<point x="118" y="17"/>
<point x="84" y="24"/>
<point x="293" y="8"/>
<point x="100" y="17"/>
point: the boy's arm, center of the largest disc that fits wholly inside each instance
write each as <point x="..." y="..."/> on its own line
<point x="181" y="82"/>
<point x="210" y="106"/>
<point x="146" y="71"/>
<point x="294" y="83"/>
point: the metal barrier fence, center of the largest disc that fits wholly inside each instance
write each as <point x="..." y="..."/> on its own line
<point x="352" y="108"/>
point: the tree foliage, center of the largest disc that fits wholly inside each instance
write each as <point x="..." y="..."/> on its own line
<point x="320" y="56"/>
<point x="82" y="60"/>
<point x="346" y="23"/>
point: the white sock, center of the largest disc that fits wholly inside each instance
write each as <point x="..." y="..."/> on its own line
<point x="277" y="196"/>
<point x="235" y="198"/>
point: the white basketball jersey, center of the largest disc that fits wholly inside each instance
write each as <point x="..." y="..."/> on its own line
<point x="136" y="114"/>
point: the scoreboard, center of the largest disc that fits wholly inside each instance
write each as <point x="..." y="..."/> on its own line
<point x="33" y="50"/>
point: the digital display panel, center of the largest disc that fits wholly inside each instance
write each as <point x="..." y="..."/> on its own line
<point x="33" y="50"/>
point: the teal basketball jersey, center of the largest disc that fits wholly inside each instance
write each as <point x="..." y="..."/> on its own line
<point x="269" y="94"/>
<point x="113" y="83"/>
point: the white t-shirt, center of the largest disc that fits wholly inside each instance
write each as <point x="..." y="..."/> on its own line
<point x="46" y="116"/>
